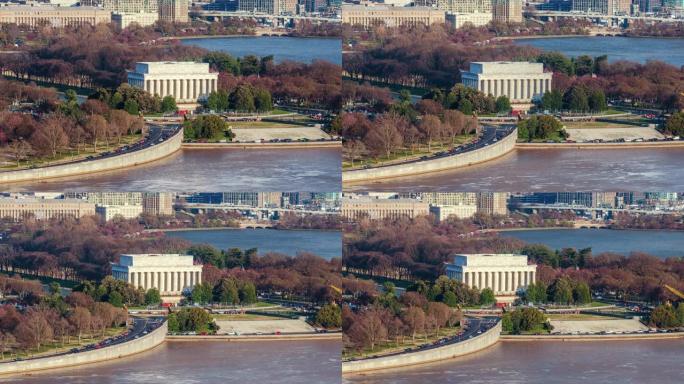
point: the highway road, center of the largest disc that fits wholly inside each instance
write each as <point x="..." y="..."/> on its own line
<point x="474" y="326"/>
<point x="140" y="327"/>
<point x="157" y="134"/>
<point x="490" y="135"/>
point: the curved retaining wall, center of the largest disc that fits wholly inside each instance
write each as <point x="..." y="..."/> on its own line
<point x="476" y="156"/>
<point x="127" y="160"/>
<point x="475" y="344"/>
<point x="611" y="337"/>
<point x="132" y="347"/>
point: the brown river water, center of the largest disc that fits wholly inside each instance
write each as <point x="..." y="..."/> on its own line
<point x="646" y="169"/>
<point x="208" y="362"/>
<point x="214" y="170"/>
<point x="550" y="362"/>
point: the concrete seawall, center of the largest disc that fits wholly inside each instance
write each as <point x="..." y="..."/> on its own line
<point x="478" y="343"/>
<point x="284" y="337"/>
<point x="644" y="144"/>
<point x="132" y="347"/>
<point x="476" y="156"/>
<point x="126" y="160"/>
<point x="611" y="337"/>
<point x="290" y="145"/>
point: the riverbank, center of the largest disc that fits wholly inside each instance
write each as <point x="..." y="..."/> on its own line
<point x="644" y="144"/>
<point x="461" y="160"/>
<point x="287" y="145"/>
<point x="402" y="360"/>
<point x="129" y="348"/>
<point x="612" y="337"/>
<point x="281" y="337"/>
<point x="126" y="160"/>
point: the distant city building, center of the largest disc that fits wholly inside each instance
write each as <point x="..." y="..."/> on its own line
<point x="270" y="7"/>
<point x="371" y="15"/>
<point x="458" y="6"/>
<point x="449" y="198"/>
<point x="505" y="274"/>
<point x="476" y="19"/>
<point x="188" y="82"/>
<point x="443" y="212"/>
<point x="254" y="199"/>
<point x="143" y="19"/>
<point x="108" y="198"/>
<point x="604" y="7"/>
<point x="55" y="16"/>
<point x="521" y="82"/>
<point x="174" y="11"/>
<point x="158" y="203"/>
<point x="507" y="11"/>
<point x="493" y="203"/>
<point x="171" y="274"/>
<point x="109" y="212"/>
<point x="379" y="209"/>
<point x="44" y="209"/>
<point x="127" y="6"/>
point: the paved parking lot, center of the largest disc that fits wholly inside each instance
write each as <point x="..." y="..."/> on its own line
<point x="607" y="134"/>
<point x="294" y="133"/>
<point x="595" y="326"/>
<point x="244" y="327"/>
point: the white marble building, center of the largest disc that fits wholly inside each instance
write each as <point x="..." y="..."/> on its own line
<point x="171" y="274"/>
<point x="504" y="274"/>
<point x="188" y="82"/>
<point x="521" y="82"/>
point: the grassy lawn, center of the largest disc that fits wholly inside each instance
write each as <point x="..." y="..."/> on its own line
<point x="406" y="154"/>
<point x="43" y="279"/>
<point x="65" y="157"/>
<point x="57" y="347"/>
<point x="393" y="346"/>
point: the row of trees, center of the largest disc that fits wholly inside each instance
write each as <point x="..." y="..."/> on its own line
<point x="65" y="127"/>
<point x="227" y="291"/>
<point x="429" y="56"/>
<point x="453" y="293"/>
<point x="244" y="98"/>
<point x="207" y="127"/>
<point x="396" y="320"/>
<point x="135" y="100"/>
<point x="524" y="320"/>
<point x="191" y="320"/>
<point x="77" y="249"/>
<point x="541" y="127"/>
<point x="577" y="98"/>
<point x="403" y="127"/>
<point x="50" y="319"/>
<point x="667" y="316"/>
<point x="563" y="290"/>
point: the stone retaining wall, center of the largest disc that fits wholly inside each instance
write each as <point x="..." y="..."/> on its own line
<point x="475" y="344"/>
<point x="128" y="348"/>
<point x="476" y="156"/>
<point x="127" y="160"/>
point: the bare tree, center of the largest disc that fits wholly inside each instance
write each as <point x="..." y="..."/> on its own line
<point x="384" y="136"/>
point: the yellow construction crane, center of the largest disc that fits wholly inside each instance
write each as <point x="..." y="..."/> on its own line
<point x="675" y="291"/>
<point x="336" y="289"/>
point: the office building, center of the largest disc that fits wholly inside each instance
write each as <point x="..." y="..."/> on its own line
<point x="17" y="209"/>
<point x="507" y="11"/>
<point x="443" y="212"/>
<point x="174" y="11"/>
<point x="380" y="209"/>
<point x="32" y="16"/>
<point x="158" y="203"/>
<point x="109" y="212"/>
<point x="371" y="15"/>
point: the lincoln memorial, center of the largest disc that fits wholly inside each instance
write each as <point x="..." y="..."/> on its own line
<point x="169" y="273"/>
<point x="187" y="81"/>
<point x="504" y="274"/>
